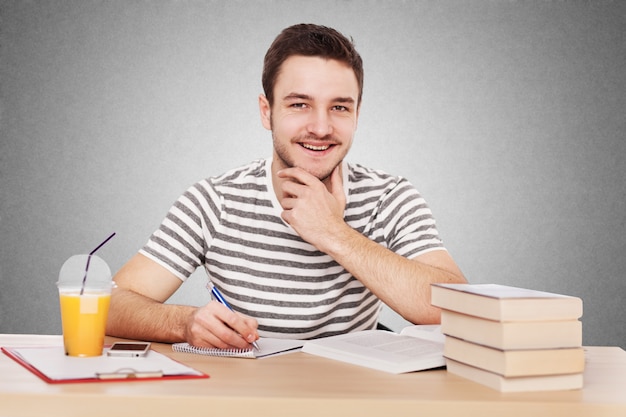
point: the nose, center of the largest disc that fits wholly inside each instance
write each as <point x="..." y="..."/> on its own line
<point x="319" y="124"/>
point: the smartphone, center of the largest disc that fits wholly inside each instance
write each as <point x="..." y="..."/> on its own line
<point x="129" y="349"/>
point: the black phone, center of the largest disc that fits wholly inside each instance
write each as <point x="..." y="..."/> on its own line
<point x="129" y="349"/>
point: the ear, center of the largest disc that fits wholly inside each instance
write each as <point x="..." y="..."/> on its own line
<point x="266" y="112"/>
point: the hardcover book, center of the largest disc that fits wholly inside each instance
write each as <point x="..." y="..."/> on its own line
<point x="504" y="303"/>
<point x="515" y="384"/>
<point x="516" y="363"/>
<point x="512" y="334"/>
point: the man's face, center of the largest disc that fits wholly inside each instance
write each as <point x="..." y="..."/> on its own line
<point x="314" y="115"/>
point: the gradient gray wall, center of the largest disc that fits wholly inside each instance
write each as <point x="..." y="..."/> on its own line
<point x="508" y="117"/>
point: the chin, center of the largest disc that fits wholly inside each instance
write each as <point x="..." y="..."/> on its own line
<point x="320" y="174"/>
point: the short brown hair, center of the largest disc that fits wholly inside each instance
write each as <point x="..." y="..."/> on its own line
<point x="309" y="40"/>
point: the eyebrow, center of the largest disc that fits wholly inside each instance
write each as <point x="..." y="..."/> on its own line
<point x="300" y="96"/>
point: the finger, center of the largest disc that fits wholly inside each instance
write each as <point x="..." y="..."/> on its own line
<point x="239" y="330"/>
<point x="288" y="203"/>
<point x="203" y="329"/>
<point x="298" y="174"/>
<point x="217" y="326"/>
<point x="292" y="189"/>
<point x="336" y="185"/>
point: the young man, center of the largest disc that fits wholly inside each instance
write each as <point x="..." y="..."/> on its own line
<point x="303" y="245"/>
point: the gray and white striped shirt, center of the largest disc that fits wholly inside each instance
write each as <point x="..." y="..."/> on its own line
<point x="231" y="224"/>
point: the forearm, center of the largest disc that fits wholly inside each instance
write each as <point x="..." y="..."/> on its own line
<point x="135" y="316"/>
<point x="401" y="283"/>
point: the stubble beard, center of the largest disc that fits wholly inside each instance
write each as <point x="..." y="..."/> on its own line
<point x="286" y="161"/>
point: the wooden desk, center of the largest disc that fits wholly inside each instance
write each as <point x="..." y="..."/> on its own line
<point x="299" y="384"/>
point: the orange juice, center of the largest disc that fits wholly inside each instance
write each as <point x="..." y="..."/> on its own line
<point x="84" y="320"/>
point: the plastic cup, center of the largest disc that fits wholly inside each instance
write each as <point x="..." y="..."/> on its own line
<point x="84" y="297"/>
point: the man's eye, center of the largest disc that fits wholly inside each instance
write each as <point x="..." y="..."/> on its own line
<point x="298" y="105"/>
<point x="340" y="108"/>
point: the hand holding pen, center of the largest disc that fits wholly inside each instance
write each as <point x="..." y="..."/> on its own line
<point x="220" y="298"/>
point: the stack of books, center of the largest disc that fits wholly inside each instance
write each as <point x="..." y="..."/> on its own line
<point x="511" y="339"/>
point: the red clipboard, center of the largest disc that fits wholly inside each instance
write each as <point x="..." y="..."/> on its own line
<point x="49" y="363"/>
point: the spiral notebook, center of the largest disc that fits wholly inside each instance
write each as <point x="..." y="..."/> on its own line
<point x="267" y="347"/>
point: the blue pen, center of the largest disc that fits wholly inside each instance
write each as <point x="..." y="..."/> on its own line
<point x="219" y="297"/>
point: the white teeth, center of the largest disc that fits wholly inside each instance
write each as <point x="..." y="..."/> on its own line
<point x="315" y="148"/>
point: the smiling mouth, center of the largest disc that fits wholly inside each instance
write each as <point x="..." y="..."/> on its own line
<point x="315" y="148"/>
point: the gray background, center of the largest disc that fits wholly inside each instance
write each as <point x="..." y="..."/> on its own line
<point x="507" y="116"/>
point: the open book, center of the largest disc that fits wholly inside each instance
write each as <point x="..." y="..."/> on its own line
<point x="416" y="348"/>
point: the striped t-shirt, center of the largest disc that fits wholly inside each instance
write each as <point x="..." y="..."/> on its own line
<point x="231" y="225"/>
